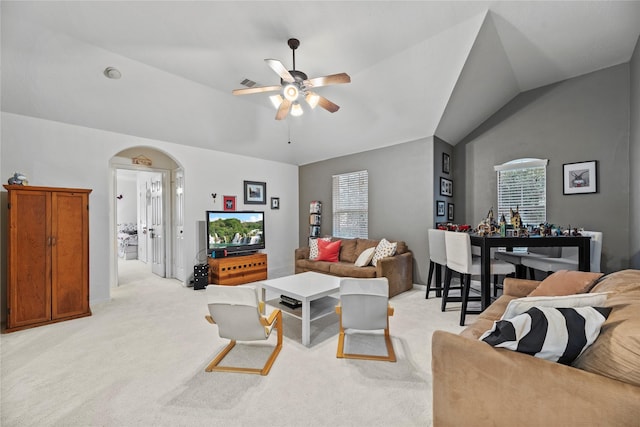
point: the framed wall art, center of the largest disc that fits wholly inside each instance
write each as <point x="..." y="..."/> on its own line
<point x="446" y="163"/>
<point x="275" y="203"/>
<point x="580" y="177"/>
<point x="229" y="203"/>
<point x="440" y="208"/>
<point x="450" y="211"/>
<point x="446" y="187"/>
<point x="255" y="193"/>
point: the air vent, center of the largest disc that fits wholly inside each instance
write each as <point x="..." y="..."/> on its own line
<point x="248" y="83"/>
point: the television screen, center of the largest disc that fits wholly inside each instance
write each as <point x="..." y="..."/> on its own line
<point x="237" y="231"/>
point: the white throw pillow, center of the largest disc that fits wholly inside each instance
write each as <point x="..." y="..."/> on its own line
<point x="365" y="257"/>
<point x="384" y="249"/>
<point x="521" y="305"/>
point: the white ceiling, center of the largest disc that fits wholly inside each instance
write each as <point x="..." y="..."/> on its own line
<point x="418" y="68"/>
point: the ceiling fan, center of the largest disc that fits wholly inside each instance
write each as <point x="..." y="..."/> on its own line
<point x="294" y="85"/>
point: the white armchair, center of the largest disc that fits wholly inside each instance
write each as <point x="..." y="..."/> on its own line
<point x="237" y="312"/>
<point x="364" y="306"/>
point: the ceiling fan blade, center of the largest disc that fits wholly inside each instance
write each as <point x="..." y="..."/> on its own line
<point x="280" y="69"/>
<point x="258" y="89"/>
<point x="333" y="79"/>
<point x="328" y="105"/>
<point x="284" y="109"/>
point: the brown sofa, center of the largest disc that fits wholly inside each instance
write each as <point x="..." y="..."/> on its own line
<point x="476" y="384"/>
<point x="398" y="269"/>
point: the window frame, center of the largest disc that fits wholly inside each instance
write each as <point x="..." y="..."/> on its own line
<point x="350" y="202"/>
<point x="529" y="213"/>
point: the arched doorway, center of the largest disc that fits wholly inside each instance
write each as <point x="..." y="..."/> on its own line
<point x="147" y="214"/>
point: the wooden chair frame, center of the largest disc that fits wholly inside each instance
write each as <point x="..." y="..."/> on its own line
<point x="391" y="356"/>
<point x="275" y="316"/>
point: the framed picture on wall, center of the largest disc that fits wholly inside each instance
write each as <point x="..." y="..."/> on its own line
<point x="446" y="163"/>
<point x="450" y="211"/>
<point x="229" y="203"/>
<point x="275" y="203"/>
<point x="580" y="178"/>
<point x="446" y="187"/>
<point x="440" y="208"/>
<point x="255" y="193"/>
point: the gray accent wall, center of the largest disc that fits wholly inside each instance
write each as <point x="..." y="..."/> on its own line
<point x="441" y="147"/>
<point x="580" y="119"/>
<point x="400" y="195"/>
<point x="634" y="161"/>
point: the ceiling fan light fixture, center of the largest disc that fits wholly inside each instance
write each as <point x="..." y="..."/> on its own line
<point x="276" y="100"/>
<point x="296" y="110"/>
<point x="312" y="99"/>
<point x="291" y="92"/>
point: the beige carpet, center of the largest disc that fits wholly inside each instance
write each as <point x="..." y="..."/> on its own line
<point x="139" y="361"/>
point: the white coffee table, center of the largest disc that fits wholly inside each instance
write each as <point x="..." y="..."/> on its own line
<point x="305" y="287"/>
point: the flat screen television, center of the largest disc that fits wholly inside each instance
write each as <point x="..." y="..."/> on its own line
<point x="237" y="232"/>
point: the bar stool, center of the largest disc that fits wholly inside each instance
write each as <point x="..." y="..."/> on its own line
<point x="459" y="258"/>
<point x="437" y="260"/>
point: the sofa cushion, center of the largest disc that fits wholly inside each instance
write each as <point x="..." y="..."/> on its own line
<point x="401" y="248"/>
<point x="344" y="269"/>
<point x="565" y="282"/>
<point x="362" y="244"/>
<point x="521" y="305"/>
<point x="555" y="334"/>
<point x="616" y="353"/>
<point x="308" y="265"/>
<point x="328" y="251"/>
<point x="348" y="251"/>
<point x="384" y="249"/>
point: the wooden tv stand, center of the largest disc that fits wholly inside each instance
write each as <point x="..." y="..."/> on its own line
<point x="236" y="270"/>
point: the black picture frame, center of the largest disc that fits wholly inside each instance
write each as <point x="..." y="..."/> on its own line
<point x="580" y="177"/>
<point x="255" y="193"/>
<point x="446" y="187"/>
<point x="446" y="163"/>
<point x="450" y="211"/>
<point x="275" y="203"/>
<point x="441" y="208"/>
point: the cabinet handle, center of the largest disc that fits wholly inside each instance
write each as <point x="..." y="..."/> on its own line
<point x="53" y="241"/>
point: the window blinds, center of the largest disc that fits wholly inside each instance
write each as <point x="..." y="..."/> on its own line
<point x="523" y="184"/>
<point x="351" y="205"/>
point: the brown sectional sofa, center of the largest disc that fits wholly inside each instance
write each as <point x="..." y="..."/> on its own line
<point x="476" y="384"/>
<point x="398" y="269"/>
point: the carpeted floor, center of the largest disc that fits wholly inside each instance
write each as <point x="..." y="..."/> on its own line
<point x="139" y="361"/>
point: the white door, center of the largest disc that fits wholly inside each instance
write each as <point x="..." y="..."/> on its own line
<point x="156" y="228"/>
<point x="178" y="225"/>
<point x="143" y="231"/>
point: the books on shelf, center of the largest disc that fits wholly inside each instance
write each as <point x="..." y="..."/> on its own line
<point x="290" y="302"/>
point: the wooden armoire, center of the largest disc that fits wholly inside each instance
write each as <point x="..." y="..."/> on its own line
<point x="47" y="255"/>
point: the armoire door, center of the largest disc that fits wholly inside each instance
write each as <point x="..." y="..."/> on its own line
<point x="69" y="254"/>
<point x="29" y="255"/>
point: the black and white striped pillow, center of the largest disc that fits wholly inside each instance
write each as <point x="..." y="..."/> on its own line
<point x="555" y="334"/>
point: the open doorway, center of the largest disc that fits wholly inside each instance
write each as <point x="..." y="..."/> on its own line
<point x="147" y="213"/>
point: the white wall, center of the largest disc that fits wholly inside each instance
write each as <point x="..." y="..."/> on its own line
<point x="60" y="155"/>
<point x="127" y="205"/>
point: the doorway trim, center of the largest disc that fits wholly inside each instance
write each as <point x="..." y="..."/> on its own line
<point x="168" y="211"/>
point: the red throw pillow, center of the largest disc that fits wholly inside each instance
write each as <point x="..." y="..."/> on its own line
<point x="328" y="251"/>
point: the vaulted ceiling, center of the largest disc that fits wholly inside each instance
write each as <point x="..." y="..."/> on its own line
<point x="418" y="68"/>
